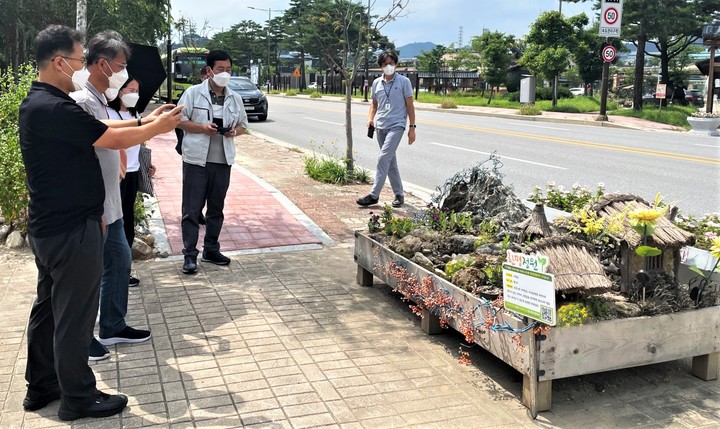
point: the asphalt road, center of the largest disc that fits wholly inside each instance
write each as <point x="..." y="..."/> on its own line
<point x="684" y="168"/>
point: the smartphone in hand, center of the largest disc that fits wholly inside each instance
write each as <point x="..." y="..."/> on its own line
<point x="371" y="131"/>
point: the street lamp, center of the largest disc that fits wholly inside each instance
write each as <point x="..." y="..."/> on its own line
<point x="269" y="11"/>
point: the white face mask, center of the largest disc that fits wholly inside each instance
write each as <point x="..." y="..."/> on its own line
<point x="130" y="99"/>
<point x="389" y="69"/>
<point x="79" y="77"/>
<point x="117" y="79"/>
<point x="221" y="79"/>
<point x="111" y="93"/>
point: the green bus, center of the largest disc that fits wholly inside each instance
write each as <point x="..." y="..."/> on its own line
<point x="185" y="70"/>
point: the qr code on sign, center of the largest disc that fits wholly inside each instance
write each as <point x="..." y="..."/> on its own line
<point x="546" y="314"/>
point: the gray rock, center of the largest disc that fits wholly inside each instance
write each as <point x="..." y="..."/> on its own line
<point x="149" y="240"/>
<point x="4" y="231"/>
<point x="409" y="245"/>
<point x="141" y="250"/>
<point x="423" y="261"/>
<point x="15" y="240"/>
<point x="463" y="243"/>
<point x="625" y="309"/>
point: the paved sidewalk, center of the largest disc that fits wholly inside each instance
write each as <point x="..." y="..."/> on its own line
<point x="287" y="339"/>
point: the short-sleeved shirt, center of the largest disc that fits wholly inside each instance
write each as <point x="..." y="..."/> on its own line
<point x="391" y="101"/>
<point x="95" y="103"/>
<point x="63" y="173"/>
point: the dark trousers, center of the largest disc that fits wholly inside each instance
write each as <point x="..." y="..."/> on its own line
<point x="63" y="315"/>
<point x="128" y="194"/>
<point x="202" y="185"/>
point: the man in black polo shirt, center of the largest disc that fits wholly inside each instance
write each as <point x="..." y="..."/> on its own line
<point x="57" y="140"/>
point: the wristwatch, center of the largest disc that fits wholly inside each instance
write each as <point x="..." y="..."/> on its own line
<point x="412" y="126"/>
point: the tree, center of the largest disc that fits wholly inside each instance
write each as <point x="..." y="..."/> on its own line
<point x="549" y="42"/>
<point x="298" y="31"/>
<point x="650" y="22"/>
<point x="340" y="31"/>
<point x="432" y="62"/>
<point x="140" y="21"/>
<point x="495" y="57"/>
<point x="243" y="42"/>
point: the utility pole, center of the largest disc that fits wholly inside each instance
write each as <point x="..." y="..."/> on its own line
<point x="367" y="54"/>
<point x="269" y="11"/>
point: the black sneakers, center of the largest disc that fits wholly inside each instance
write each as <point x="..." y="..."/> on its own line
<point x="367" y="200"/>
<point x="215" y="257"/>
<point x="190" y="265"/>
<point x="398" y="201"/>
<point x="127" y="335"/>
<point x="34" y="401"/>
<point x="97" y="351"/>
<point x="134" y="281"/>
<point x="104" y="406"/>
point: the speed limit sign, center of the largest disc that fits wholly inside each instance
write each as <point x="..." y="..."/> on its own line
<point x="608" y="53"/>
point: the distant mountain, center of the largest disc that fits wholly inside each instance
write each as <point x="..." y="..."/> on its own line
<point x="413" y="50"/>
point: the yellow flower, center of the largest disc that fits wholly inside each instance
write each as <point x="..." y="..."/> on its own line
<point x="715" y="248"/>
<point x="645" y="217"/>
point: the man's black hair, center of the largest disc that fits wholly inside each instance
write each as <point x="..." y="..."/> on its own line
<point x="385" y="55"/>
<point x="107" y="44"/>
<point x="55" y="40"/>
<point x="115" y="103"/>
<point x="217" y="55"/>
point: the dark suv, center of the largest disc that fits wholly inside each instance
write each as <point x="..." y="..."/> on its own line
<point x="694" y="97"/>
<point x="255" y="102"/>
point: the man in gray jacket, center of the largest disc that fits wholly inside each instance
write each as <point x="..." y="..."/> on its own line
<point x="213" y="115"/>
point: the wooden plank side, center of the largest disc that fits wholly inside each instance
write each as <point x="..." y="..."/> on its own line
<point x="374" y="257"/>
<point x="624" y="343"/>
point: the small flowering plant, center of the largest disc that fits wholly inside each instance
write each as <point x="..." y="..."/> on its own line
<point x="706" y="228"/>
<point x="643" y="221"/>
<point x="558" y="197"/>
<point x="704" y="115"/>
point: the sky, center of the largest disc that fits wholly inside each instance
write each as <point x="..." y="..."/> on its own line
<point x="436" y="21"/>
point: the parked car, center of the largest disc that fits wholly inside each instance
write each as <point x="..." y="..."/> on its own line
<point x="255" y="101"/>
<point x="694" y="97"/>
<point x="313" y="86"/>
<point x="577" y="91"/>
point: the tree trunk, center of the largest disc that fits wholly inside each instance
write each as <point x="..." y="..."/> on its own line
<point x="349" y="162"/>
<point x="639" y="71"/>
<point x="81" y="16"/>
<point x="302" y="69"/>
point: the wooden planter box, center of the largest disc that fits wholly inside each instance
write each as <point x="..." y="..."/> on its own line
<point x="569" y="351"/>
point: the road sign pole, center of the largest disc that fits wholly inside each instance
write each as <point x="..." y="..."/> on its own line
<point x="604" y="90"/>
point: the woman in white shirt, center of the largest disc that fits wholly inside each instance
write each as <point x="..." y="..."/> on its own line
<point x="123" y="107"/>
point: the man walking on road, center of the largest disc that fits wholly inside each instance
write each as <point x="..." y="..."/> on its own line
<point x="212" y="117"/>
<point x="65" y="183"/>
<point x="392" y="106"/>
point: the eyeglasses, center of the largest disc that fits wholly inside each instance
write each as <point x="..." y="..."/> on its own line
<point x="82" y="60"/>
<point x="122" y="65"/>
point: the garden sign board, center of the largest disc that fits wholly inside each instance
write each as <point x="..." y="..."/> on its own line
<point x="527" y="287"/>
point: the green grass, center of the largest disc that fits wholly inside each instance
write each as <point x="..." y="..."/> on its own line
<point x="291" y="92"/>
<point x="671" y="115"/>
<point x="575" y="105"/>
<point x="529" y="109"/>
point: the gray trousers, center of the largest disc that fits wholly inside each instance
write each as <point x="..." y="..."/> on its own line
<point x="202" y="185"/>
<point x="387" y="167"/>
<point x="63" y="315"/>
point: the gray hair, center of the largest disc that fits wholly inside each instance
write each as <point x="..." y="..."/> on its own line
<point x="107" y="44"/>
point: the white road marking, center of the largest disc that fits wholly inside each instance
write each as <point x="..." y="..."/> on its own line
<point x="501" y="156"/>
<point x="320" y="120"/>
<point x="707" y="145"/>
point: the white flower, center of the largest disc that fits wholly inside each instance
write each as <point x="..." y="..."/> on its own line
<point x="576" y="185"/>
<point x="550" y="183"/>
<point x="601" y="185"/>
